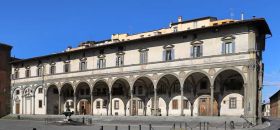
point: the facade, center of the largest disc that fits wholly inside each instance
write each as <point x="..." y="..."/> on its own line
<point x="199" y="67"/>
<point x="275" y="105"/>
<point x="266" y="109"/>
<point x="5" y="70"/>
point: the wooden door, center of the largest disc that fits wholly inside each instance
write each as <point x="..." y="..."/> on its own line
<point x="17" y="108"/>
<point x="204" y="107"/>
<point x="134" y="107"/>
<point x="84" y="107"/>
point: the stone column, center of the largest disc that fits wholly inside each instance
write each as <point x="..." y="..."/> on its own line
<point x="212" y="100"/>
<point x="91" y="103"/>
<point x="22" y="105"/>
<point x="252" y="92"/>
<point x="191" y="108"/>
<point x="155" y="102"/>
<point x="75" y="103"/>
<point x="59" y="102"/>
<point x="33" y="98"/>
<point x="130" y="103"/>
<point x="182" y="100"/>
<point x="111" y="103"/>
<point x="260" y="78"/>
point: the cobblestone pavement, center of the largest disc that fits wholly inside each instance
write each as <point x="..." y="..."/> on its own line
<point x="274" y="124"/>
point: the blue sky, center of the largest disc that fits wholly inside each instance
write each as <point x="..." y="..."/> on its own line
<point x="40" y="27"/>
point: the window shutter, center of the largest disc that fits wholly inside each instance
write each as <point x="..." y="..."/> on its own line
<point x="223" y="48"/>
<point x="117" y="61"/>
<point x="172" y="54"/>
<point x="191" y="51"/>
<point x="163" y="55"/>
<point x="146" y="57"/>
<point x="201" y="50"/>
<point x="141" y="55"/>
<point x="122" y="60"/>
<point x="98" y="63"/>
<point x="233" y="47"/>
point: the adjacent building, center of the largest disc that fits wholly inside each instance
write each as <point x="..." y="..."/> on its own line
<point x="197" y="67"/>
<point x="5" y="86"/>
<point x="275" y="105"/>
<point x="266" y="109"/>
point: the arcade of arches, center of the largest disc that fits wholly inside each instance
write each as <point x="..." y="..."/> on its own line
<point x="195" y="96"/>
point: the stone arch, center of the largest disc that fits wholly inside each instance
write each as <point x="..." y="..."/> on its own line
<point x="52" y="94"/>
<point x="83" y="93"/>
<point x="230" y="68"/>
<point x="229" y="81"/>
<point x="165" y="74"/>
<point x="82" y="81"/>
<point x="120" y="78"/>
<point x="198" y="71"/>
<point x="164" y="91"/>
<point x="143" y="90"/>
<point x="67" y="83"/>
<point x="99" y="80"/>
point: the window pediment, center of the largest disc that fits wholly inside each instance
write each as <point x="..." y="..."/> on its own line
<point x="120" y="53"/>
<point x="143" y="50"/>
<point x="196" y="42"/>
<point x="228" y="38"/>
<point x="83" y="59"/>
<point x="101" y="56"/>
<point x="168" y="46"/>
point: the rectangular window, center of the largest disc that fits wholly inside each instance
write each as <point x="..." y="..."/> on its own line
<point x="40" y="90"/>
<point x="66" y="67"/>
<point x="140" y="105"/>
<point x="116" y="105"/>
<point x="101" y="63"/>
<point x="186" y="104"/>
<point x="39" y="71"/>
<point x="175" y="29"/>
<point x="52" y="69"/>
<point x="228" y="48"/>
<point x="119" y="60"/>
<point x="16" y="74"/>
<point x="97" y="104"/>
<point x="143" y="57"/>
<point x="27" y="73"/>
<point x="168" y="55"/>
<point x="40" y="103"/>
<point x="104" y="104"/>
<point x="175" y="104"/>
<point x="83" y="66"/>
<point x="197" y="51"/>
<point x="232" y="103"/>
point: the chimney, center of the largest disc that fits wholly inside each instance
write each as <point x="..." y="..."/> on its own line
<point x="180" y="19"/>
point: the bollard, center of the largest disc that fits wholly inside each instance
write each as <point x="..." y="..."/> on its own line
<point x="116" y="127"/>
<point x="225" y="125"/>
<point x="203" y="125"/>
<point x="18" y="117"/>
<point x="83" y="120"/>
<point x="139" y="127"/>
<point x="180" y="126"/>
<point x="174" y="126"/>
<point x="150" y="126"/>
<point x="186" y="126"/>
<point x="128" y="127"/>
<point x="199" y="125"/>
<point x="207" y="125"/>
<point x="101" y="127"/>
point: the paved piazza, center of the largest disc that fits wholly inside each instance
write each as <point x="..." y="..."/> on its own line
<point x="109" y="123"/>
